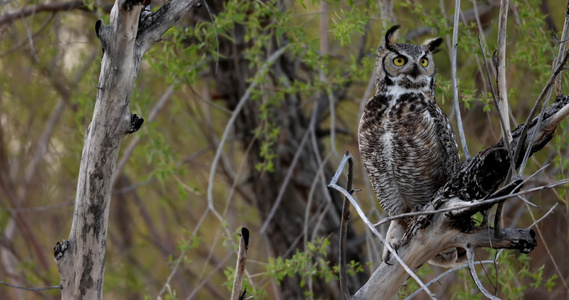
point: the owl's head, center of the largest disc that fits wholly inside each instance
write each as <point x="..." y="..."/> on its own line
<point x="406" y="67"/>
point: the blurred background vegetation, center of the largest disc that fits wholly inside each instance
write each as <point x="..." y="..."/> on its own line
<point x="169" y="236"/>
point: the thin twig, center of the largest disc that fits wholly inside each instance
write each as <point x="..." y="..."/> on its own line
<point x="343" y="232"/>
<point x="543" y="96"/>
<point x="284" y="185"/>
<point x="543" y="217"/>
<point x="216" y="35"/>
<point x="229" y="126"/>
<point x="241" y="262"/>
<point x="333" y="184"/>
<point x="555" y="265"/>
<point x="436" y="279"/>
<point x="53" y="287"/>
<point x="23" y="42"/>
<point x="473" y="204"/>
<point x="217" y="268"/>
<point x="153" y="113"/>
<point x="455" y="81"/>
<point x="323" y="52"/>
<point x="470" y="256"/>
<point x="182" y="254"/>
<point x="47" y="7"/>
<point x="502" y="121"/>
<point x="561" y="50"/>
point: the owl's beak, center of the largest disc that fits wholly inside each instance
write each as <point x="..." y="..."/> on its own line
<point x="415" y="71"/>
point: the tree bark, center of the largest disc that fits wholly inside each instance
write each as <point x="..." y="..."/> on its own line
<point x="81" y="259"/>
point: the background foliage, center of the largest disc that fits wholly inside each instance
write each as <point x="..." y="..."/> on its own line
<point x="301" y="113"/>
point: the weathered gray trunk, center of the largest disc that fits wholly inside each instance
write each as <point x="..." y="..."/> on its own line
<point x="81" y="259"/>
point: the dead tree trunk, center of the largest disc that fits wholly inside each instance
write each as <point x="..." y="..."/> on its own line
<point x="81" y="258"/>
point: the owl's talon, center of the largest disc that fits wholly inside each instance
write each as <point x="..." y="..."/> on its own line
<point x="387" y="254"/>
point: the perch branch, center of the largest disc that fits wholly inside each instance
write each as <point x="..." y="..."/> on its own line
<point x="370" y="288"/>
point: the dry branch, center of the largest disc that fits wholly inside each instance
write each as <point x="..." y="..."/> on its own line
<point x="240" y="267"/>
<point x="47" y="7"/>
<point x="456" y="105"/>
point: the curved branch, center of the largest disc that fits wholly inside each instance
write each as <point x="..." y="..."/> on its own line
<point x="47" y="7"/>
<point x="470" y="255"/>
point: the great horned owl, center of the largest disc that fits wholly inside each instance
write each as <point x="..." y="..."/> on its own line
<point x="406" y="142"/>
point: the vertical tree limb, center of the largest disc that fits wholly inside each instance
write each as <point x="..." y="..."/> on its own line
<point x="502" y="85"/>
<point x="562" y="42"/>
<point x="470" y="256"/>
<point x="241" y="263"/>
<point x="503" y="107"/>
<point x="343" y="232"/>
<point x="455" y="81"/>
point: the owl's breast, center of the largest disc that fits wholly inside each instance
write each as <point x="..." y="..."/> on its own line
<point x="406" y="153"/>
<point x="424" y="160"/>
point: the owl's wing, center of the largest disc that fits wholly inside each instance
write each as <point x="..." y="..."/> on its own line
<point x="375" y="151"/>
<point x="447" y="143"/>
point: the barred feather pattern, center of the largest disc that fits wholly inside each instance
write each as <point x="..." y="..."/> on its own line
<point x="408" y="149"/>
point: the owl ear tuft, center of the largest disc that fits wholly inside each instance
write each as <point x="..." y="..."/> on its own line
<point x="433" y="44"/>
<point x="390" y="36"/>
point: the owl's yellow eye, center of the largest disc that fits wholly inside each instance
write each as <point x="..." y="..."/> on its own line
<point x="424" y="62"/>
<point x="399" y="61"/>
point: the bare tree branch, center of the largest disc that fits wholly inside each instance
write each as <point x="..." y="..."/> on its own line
<point x="470" y="255"/>
<point x="561" y="49"/>
<point x="343" y="233"/>
<point x="241" y="263"/>
<point x="456" y="105"/>
<point x="46" y="7"/>
<point x="393" y="282"/>
<point x="502" y="85"/>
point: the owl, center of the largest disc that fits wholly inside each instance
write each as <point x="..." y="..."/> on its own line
<point x="406" y="142"/>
